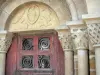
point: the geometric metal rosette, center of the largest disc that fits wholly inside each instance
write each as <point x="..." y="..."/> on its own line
<point x="43" y="61"/>
<point x="27" y="61"/>
<point x="44" y="43"/>
<point x="27" y="44"/>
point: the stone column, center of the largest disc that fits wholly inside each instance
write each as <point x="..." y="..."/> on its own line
<point x="5" y="41"/>
<point x="80" y="43"/>
<point x="97" y="58"/>
<point x="93" y="23"/>
<point x="69" y="62"/>
<point x="66" y="42"/>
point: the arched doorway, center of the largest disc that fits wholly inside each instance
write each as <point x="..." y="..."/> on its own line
<point x="27" y="55"/>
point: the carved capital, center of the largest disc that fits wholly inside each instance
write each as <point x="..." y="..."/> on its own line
<point x="66" y="41"/>
<point x="5" y="41"/>
<point x="94" y="33"/>
<point x="93" y="23"/>
<point x="65" y="37"/>
<point x="79" y="35"/>
<point x="80" y="39"/>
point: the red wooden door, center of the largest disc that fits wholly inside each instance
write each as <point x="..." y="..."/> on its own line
<point x="35" y="55"/>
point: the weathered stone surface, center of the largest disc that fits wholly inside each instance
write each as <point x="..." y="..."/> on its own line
<point x="80" y="38"/>
<point x="94" y="33"/>
<point x="66" y="41"/>
<point x="5" y="41"/>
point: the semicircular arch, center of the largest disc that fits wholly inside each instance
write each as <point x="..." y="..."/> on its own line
<point x="32" y="16"/>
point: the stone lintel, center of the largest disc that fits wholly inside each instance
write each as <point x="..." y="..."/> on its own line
<point x="62" y="29"/>
<point x="91" y="18"/>
<point x="73" y="23"/>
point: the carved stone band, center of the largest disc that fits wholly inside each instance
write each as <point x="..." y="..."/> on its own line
<point x="94" y="33"/>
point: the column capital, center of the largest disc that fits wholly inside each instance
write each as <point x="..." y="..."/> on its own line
<point x="5" y="41"/>
<point x="93" y="24"/>
<point x="79" y="35"/>
<point x="65" y="38"/>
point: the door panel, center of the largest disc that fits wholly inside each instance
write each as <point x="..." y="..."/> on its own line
<point x="35" y="55"/>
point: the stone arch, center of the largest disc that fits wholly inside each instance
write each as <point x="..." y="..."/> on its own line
<point x="62" y="12"/>
<point x="73" y="9"/>
<point x="32" y="16"/>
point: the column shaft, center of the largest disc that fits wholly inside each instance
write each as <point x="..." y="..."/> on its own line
<point x="69" y="63"/>
<point x="83" y="62"/>
<point x="97" y="58"/>
<point x="2" y="63"/>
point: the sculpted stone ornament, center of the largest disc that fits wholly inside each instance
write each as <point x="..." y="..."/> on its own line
<point x="33" y="16"/>
<point x="66" y="41"/>
<point x="5" y="43"/>
<point x="94" y="33"/>
<point x="80" y="38"/>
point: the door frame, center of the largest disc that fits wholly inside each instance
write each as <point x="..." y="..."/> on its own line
<point x="38" y="33"/>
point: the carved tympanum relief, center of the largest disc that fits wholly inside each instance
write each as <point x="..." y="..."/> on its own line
<point x="80" y="38"/>
<point x="33" y="16"/>
<point x="94" y="33"/>
<point x="5" y="43"/>
<point x="66" y="41"/>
